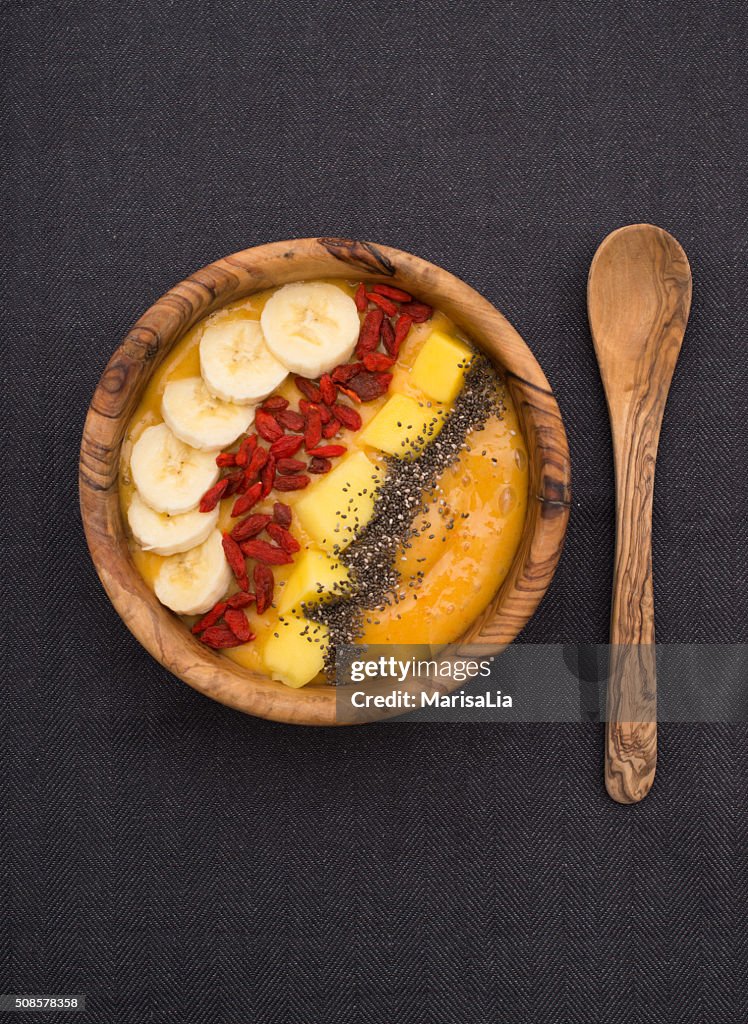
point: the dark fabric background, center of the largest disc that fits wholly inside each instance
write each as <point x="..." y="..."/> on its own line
<point x="176" y="861"/>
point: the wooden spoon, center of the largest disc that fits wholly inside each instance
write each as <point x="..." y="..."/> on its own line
<point x="638" y="299"/>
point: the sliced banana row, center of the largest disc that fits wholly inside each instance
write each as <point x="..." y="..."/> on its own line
<point x="305" y="328"/>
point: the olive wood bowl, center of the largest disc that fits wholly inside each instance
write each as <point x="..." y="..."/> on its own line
<point x="127" y="374"/>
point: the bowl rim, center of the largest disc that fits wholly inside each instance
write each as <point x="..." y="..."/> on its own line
<point x="236" y="276"/>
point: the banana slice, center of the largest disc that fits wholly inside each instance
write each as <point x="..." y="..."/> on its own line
<point x="236" y="364"/>
<point x="169" y="475"/>
<point x="199" y="419"/>
<point x="311" y="328"/>
<point x="192" y="582"/>
<point x="168" y="535"/>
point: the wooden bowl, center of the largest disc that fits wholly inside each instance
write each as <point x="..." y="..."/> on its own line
<point x="235" y="277"/>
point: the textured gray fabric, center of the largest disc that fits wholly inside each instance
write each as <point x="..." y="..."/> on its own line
<point x="177" y="861"/>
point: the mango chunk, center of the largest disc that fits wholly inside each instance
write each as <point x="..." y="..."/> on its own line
<point x="315" y="577"/>
<point x="440" y="366"/>
<point x="336" y="509"/>
<point x="294" y="652"/>
<point x="403" y="426"/>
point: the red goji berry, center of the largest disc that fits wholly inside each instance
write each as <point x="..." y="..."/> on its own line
<point x="403" y="325"/>
<point x="226" y="459"/>
<point x="236" y="560"/>
<point x="274" y="404"/>
<point x="267" y="476"/>
<point x="286" y="446"/>
<point x="345" y="372"/>
<point x="419" y="311"/>
<point x="250" y="526"/>
<point x="283" y="538"/>
<point x="389" y="307"/>
<point x="262" y="551"/>
<point x="291" y="483"/>
<point x="258" y="460"/>
<point x="211" y="618"/>
<point x="368" y="338"/>
<point x="369" y="386"/>
<point x="313" y="431"/>
<point x="219" y="637"/>
<point x="291" y="420"/>
<point x="360" y="298"/>
<point x="347" y="416"/>
<point x="287" y="467"/>
<point x="235" y="481"/>
<point x="282" y="514"/>
<point x="392" y="293"/>
<point x="378" y="361"/>
<point x="245" y="503"/>
<point x="238" y="623"/>
<point x="308" y="389"/>
<point x="240" y="600"/>
<point x="264" y="585"/>
<point x="327" y="389"/>
<point x="213" y="495"/>
<point x="329" y="451"/>
<point x="388" y="339"/>
<point x="330" y="429"/>
<point x="246" y="448"/>
<point x="317" y="465"/>
<point x="267" y="426"/>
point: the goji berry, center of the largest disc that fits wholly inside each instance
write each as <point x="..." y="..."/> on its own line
<point x="246" y="448"/>
<point x="347" y="416"/>
<point x="282" y="514"/>
<point x="286" y="446"/>
<point x="245" y="503"/>
<point x="329" y="451"/>
<point x="313" y="431"/>
<point x="369" y="386"/>
<point x="226" y="459"/>
<point x="257" y="461"/>
<point x="330" y="429"/>
<point x="360" y="298"/>
<point x="240" y="600"/>
<point x="368" y="338"/>
<point x="211" y="617"/>
<point x="219" y="637"/>
<point x="388" y="339"/>
<point x="262" y="551"/>
<point x="346" y="371"/>
<point x="378" y="361"/>
<point x="327" y="389"/>
<point x="267" y="426"/>
<point x="291" y="483"/>
<point x="419" y="311"/>
<point x="286" y="467"/>
<point x="317" y="465"/>
<point x="291" y="420"/>
<point x="234" y="483"/>
<point x="385" y="304"/>
<point x="392" y="293"/>
<point x="275" y="403"/>
<point x="267" y="476"/>
<point x="236" y="560"/>
<point x="238" y="623"/>
<point x="251" y="526"/>
<point x="264" y="586"/>
<point x="403" y="325"/>
<point x="308" y="389"/>
<point x="283" y="538"/>
<point x="213" y="495"/>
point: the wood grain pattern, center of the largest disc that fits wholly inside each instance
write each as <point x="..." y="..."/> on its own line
<point x="639" y="297"/>
<point x="235" y="277"/>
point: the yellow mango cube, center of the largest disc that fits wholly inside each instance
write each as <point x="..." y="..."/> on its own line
<point x="440" y="367"/>
<point x="403" y="426"/>
<point x="294" y="652"/>
<point x="315" y="577"/>
<point x="336" y="509"/>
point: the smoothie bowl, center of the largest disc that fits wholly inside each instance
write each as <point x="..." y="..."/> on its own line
<point x="316" y="443"/>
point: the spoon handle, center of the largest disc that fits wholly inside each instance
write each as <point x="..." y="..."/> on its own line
<point x="631" y="729"/>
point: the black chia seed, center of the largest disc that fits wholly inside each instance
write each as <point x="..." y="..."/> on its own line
<point x="409" y="487"/>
